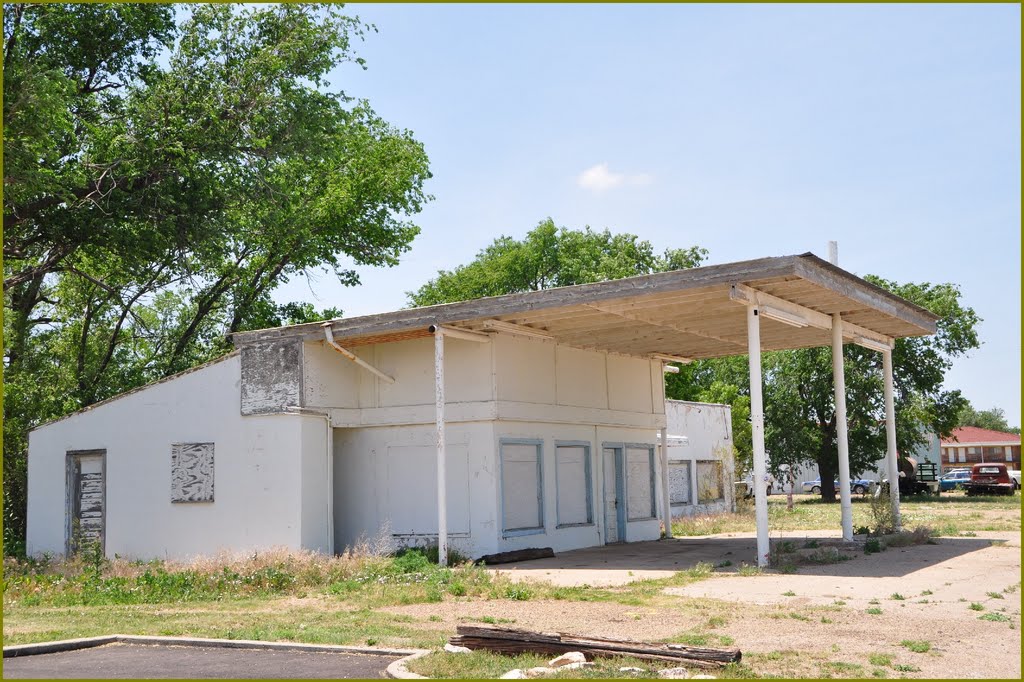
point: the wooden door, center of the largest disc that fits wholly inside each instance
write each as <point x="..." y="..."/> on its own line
<point x="86" y="501"/>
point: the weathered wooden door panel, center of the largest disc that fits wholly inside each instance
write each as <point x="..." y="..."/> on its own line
<point x="86" y="500"/>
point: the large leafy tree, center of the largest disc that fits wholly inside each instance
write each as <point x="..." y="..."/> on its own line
<point x="549" y="256"/>
<point x="161" y="178"/>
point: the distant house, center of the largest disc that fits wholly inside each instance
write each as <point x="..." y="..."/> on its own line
<point x="969" y="445"/>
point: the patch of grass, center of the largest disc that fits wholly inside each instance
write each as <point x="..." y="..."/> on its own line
<point x="826" y="621"/>
<point x="723" y="564"/>
<point x="884" y="660"/>
<point x="917" y="646"/>
<point x="789" y="593"/>
<point x="1011" y="589"/>
<point x="995" y="617"/>
<point x="486" y="665"/>
<point x="691" y="639"/>
<point x="518" y="592"/>
<point x="811" y="544"/>
<point x="896" y="596"/>
<point x="798" y="616"/>
<point x="994" y="595"/>
<point x="874" y="611"/>
<point x="716" y="622"/>
<point x="926" y="593"/>
<point x="873" y="546"/>
<point x="879" y="672"/>
<point x="975" y="606"/>
<point x="839" y="602"/>
<point x="844" y="669"/>
<point x="874" y="601"/>
<point x="746" y="570"/>
<point x="906" y="668"/>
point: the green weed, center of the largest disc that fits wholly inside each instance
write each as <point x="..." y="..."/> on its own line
<point x="917" y="646"/>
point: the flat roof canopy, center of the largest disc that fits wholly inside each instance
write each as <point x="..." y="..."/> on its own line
<point x="694" y="313"/>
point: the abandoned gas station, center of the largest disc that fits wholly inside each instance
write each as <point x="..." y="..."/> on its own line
<point x="503" y="423"/>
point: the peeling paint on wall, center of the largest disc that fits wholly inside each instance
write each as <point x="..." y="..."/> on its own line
<point x="271" y="376"/>
<point x="679" y="482"/>
<point x="192" y="472"/>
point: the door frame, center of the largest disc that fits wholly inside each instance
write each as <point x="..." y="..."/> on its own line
<point x="619" y="460"/>
<point x="72" y="468"/>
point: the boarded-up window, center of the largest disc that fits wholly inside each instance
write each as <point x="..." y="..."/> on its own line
<point x="572" y="477"/>
<point x="679" y="482"/>
<point x="639" y="483"/>
<point x="709" y="481"/>
<point x="521" y="486"/>
<point x="192" y="472"/>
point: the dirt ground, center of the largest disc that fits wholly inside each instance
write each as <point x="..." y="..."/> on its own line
<point x="961" y="597"/>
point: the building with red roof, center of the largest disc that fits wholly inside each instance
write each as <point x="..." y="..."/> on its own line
<point x="970" y="444"/>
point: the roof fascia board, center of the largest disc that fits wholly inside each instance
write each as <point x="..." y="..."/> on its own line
<point x="676" y="280"/>
<point x="814" y="269"/>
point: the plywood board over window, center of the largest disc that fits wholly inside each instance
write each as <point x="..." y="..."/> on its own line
<point x="709" y="481"/>
<point x="192" y="472"/>
<point x="679" y="482"/>
<point x="522" y="487"/>
<point x="640" y="482"/>
<point x="573" y="482"/>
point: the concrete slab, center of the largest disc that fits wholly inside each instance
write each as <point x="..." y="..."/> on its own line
<point x="614" y="565"/>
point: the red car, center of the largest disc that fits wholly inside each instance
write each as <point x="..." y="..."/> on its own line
<point x="989" y="479"/>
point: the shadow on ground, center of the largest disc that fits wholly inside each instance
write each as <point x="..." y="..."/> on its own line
<point x="621" y="564"/>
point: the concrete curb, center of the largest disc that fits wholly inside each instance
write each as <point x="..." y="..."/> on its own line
<point x="88" y="642"/>
<point x="398" y="669"/>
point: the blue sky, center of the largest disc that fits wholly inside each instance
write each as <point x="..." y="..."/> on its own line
<point x="749" y="130"/>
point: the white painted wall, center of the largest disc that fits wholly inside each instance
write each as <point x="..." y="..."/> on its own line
<point x="259" y="472"/>
<point x="701" y="431"/>
<point x="272" y="481"/>
<point x="385" y="484"/>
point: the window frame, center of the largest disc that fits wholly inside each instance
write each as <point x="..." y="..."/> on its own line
<point x="531" y="530"/>
<point x="588" y="476"/>
<point x="650" y="447"/>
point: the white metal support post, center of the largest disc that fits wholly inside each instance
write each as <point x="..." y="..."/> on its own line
<point x="442" y="494"/>
<point x="757" y="433"/>
<point x="839" y="379"/>
<point x="890" y="440"/>
<point x="666" y="502"/>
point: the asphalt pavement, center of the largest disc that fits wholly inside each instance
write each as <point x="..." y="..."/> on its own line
<point x="135" y="661"/>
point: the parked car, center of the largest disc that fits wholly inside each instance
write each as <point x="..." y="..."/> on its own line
<point x="1015" y="476"/>
<point x="858" y="485"/>
<point x="954" y="480"/>
<point x="749" y="481"/>
<point x="990" y="479"/>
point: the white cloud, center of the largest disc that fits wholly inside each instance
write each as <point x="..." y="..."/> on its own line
<point x="600" y="179"/>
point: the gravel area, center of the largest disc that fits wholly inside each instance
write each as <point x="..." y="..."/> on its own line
<point x="792" y="625"/>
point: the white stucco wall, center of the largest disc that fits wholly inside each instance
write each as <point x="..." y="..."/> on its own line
<point x="258" y="471"/>
<point x="701" y="431"/>
<point x="385" y="481"/>
<point x="385" y="456"/>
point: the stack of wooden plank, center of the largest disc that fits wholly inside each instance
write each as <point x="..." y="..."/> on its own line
<point x="515" y="641"/>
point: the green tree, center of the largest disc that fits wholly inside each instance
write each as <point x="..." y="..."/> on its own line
<point x="547" y="257"/>
<point x="994" y="419"/>
<point x="151" y="206"/>
<point x="800" y="422"/>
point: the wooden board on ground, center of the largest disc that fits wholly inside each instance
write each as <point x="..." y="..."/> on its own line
<point x="515" y="641"/>
<point x="517" y="555"/>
